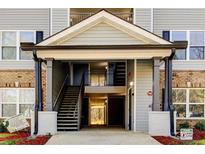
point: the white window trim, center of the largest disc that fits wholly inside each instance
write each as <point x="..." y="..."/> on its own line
<point x="17" y="44"/>
<point x="188" y="46"/>
<point x="188" y="103"/>
<point x="17" y="103"/>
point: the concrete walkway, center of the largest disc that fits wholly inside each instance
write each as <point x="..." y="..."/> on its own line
<point x="102" y="137"/>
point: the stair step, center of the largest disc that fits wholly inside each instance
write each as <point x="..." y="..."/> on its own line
<point x="67" y="124"/>
<point x="67" y="128"/>
<point x="68" y="120"/>
<point x="67" y="117"/>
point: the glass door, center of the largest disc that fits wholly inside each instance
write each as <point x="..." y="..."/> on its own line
<point x="97" y="111"/>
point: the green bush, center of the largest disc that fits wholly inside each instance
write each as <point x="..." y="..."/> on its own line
<point x="3" y="126"/>
<point x="184" y="125"/>
<point x="200" y="126"/>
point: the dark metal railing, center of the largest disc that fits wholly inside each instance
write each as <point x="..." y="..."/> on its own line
<point x="80" y="99"/>
<point x="78" y="17"/>
<point x="59" y="98"/>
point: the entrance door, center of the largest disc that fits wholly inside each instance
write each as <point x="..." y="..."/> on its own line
<point x="97" y="111"/>
<point x="116" y="107"/>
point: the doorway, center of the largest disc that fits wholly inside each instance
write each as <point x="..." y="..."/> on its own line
<point x="97" y="111"/>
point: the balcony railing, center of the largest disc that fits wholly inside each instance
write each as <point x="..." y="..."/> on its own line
<point x="78" y="17"/>
<point x="95" y="78"/>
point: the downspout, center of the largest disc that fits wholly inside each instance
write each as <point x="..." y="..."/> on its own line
<point x="171" y="108"/>
<point x="38" y="90"/>
<point x="36" y="93"/>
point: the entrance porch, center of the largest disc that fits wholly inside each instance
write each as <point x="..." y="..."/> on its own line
<point x="105" y="38"/>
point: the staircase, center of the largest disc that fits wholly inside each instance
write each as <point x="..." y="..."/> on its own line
<point x="67" y="118"/>
<point x="119" y="74"/>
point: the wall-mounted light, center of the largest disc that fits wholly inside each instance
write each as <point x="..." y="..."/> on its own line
<point x="106" y="67"/>
<point x="131" y="83"/>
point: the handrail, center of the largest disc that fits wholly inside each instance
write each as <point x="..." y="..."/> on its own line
<point x="57" y="100"/>
<point x="80" y="99"/>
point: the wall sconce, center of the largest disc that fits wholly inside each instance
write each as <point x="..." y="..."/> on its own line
<point x="131" y="83"/>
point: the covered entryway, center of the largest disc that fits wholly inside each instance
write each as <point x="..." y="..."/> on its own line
<point x="104" y="37"/>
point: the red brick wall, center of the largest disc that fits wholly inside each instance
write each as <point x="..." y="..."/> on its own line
<point x="25" y="78"/>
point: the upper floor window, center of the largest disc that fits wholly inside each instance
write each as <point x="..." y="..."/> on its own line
<point x="10" y="44"/>
<point x="196" y="44"/>
<point x="179" y="36"/>
<point x="196" y="49"/>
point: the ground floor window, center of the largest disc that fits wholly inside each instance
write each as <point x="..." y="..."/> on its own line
<point x="14" y="101"/>
<point x="189" y="102"/>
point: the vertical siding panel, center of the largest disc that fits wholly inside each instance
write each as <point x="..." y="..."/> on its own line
<point x="59" y="19"/>
<point x="143" y="102"/>
<point x="143" y="18"/>
<point x="25" y="19"/>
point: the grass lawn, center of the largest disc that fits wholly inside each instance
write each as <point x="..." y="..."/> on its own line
<point x="197" y="142"/>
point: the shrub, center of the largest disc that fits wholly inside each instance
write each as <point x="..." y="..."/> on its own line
<point x="200" y="126"/>
<point x="3" y="126"/>
<point x="184" y="125"/>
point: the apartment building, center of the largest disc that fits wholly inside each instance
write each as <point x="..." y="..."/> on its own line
<point x="102" y="67"/>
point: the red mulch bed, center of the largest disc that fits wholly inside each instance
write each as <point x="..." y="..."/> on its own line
<point x="25" y="140"/>
<point x="167" y="140"/>
<point x="39" y="140"/>
<point x="198" y="135"/>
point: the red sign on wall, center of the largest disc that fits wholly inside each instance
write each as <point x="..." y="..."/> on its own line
<point x="149" y="93"/>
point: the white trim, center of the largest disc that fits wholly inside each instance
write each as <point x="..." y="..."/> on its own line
<point x="152" y="20"/>
<point x="134" y="16"/>
<point x="68" y="17"/>
<point x="135" y="94"/>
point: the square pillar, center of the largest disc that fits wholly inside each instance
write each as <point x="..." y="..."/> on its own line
<point x="156" y="84"/>
<point x="49" y="84"/>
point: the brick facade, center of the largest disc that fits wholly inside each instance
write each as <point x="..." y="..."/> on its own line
<point x="21" y="79"/>
<point x="184" y="79"/>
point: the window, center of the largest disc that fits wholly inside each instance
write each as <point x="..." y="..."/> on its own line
<point x="26" y="37"/>
<point x="16" y="100"/>
<point x="10" y="44"/>
<point x="179" y="36"/>
<point x="179" y="101"/>
<point x="189" y="103"/>
<point x="196" y="45"/>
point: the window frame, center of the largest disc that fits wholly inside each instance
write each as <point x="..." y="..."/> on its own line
<point x="17" y="103"/>
<point x="17" y="44"/>
<point x="188" y="103"/>
<point x="188" y="46"/>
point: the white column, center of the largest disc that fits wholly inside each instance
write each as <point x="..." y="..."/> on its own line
<point x="135" y="95"/>
<point x="49" y="85"/>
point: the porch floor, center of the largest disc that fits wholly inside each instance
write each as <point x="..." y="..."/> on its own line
<point x="107" y="136"/>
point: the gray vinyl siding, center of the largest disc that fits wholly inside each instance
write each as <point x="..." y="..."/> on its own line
<point x="187" y="65"/>
<point x="143" y="18"/>
<point x="59" y="19"/>
<point x="143" y="101"/>
<point x="25" y="19"/>
<point x="102" y="34"/>
<point x="178" y="19"/>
